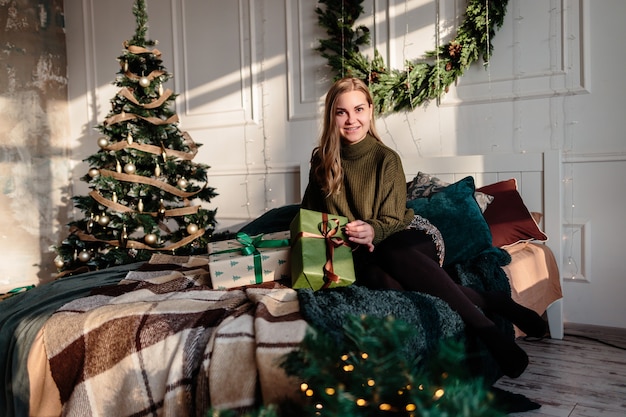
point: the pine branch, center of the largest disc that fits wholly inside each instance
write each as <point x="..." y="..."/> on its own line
<point x="370" y="373"/>
<point x="141" y="18"/>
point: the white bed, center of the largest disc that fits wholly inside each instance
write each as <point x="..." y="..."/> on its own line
<point x="538" y="177"/>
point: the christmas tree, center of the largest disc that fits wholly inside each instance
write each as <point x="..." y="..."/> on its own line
<point x="143" y="180"/>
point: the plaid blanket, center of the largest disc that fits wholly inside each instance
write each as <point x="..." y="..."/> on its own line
<point x="163" y="343"/>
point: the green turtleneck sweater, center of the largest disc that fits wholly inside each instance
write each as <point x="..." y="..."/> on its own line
<point x="374" y="189"/>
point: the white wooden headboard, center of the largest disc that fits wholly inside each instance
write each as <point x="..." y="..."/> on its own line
<point x="538" y="178"/>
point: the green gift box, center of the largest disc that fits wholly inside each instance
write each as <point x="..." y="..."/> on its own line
<point x="321" y="256"/>
<point x="249" y="260"/>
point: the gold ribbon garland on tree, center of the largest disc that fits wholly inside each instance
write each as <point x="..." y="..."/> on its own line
<point x="421" y="80"/>
<point x="133" y="244"/>
<point x="128" y="95"/>
<point x="156" y="150"/>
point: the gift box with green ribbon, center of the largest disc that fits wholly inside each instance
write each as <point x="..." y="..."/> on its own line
<point x="249" y="260"/>
<point x="321" y="256"/>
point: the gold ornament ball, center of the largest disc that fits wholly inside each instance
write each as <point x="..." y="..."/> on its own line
<point x="130" y="168"/>
<point x="144" y="82"/>
<point x="103" y="220"/>
<point x="103" y="142"/>
<point x="94" y="172"/>
<point x="58" y="262"/>
<point x="150" y="238"/>
<point x="84" y="256"/>
<point x="182" y="183"/>
<point x="192" y="228"/>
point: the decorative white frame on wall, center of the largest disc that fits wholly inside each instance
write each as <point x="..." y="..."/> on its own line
<point x="177" y="31"/>
<point x="569" y="61"/>
<point x="302" y="95"/>
<point x="579" y="250"/>
<point x="246" y="81"/>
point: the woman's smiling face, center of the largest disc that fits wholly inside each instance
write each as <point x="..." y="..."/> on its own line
<point x="353" y="115"/>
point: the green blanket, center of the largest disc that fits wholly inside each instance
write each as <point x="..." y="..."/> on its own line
<point x="432" y="318"/>
<point x="326" y="310"/>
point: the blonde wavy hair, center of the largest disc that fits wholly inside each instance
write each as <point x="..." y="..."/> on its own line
<point x="328" y="171"/>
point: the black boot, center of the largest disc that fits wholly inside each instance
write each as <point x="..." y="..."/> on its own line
<point x="526" y="319"/>
<point x="510" y="357"/>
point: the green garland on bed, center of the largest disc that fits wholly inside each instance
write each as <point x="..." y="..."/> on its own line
<point x="421" y="81"/>
<point x="370" y="373"/>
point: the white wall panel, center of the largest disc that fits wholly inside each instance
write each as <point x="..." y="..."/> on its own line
<point x="307" y="79"/>
<point x="216" y="62"/>
<point x="540" y="51"/>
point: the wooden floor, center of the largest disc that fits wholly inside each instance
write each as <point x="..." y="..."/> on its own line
<point x="574" y="377"/>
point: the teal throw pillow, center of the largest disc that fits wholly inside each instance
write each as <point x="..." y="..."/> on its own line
<point x="455" y="212"/>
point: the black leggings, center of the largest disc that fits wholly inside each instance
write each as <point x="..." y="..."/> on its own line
<point x="407" y="260"/>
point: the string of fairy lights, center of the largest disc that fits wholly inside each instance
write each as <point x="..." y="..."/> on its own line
<point x="388" y="133"/>
<point x="570" y="267"/>
<point x="438" y="66"/>
<point x="269" y="201"/>
<point x="248" y="163"/>
<point x="249" y="139"/>
<point x="566" y="127"/>
<point x="518" y="73"/>
<point x="405" y="45"/>
<point x="562" y="133"/>
<point x="489" y="117"/>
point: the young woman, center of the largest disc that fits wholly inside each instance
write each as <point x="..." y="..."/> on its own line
<point x="353" y="174"/>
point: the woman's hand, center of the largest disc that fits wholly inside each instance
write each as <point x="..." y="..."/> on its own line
<point x="360" y="232"/>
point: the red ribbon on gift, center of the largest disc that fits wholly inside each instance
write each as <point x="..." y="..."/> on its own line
<point x="328" y="229"/>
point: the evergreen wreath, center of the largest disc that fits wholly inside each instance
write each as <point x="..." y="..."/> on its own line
<point x="396" y="90"/>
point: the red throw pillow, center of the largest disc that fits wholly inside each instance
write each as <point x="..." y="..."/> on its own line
<point x="508" y="217"/>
